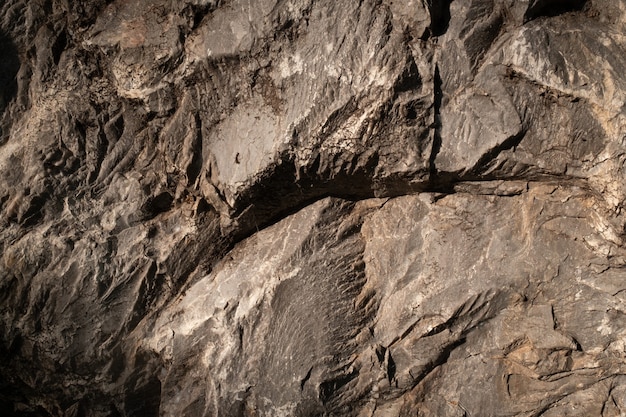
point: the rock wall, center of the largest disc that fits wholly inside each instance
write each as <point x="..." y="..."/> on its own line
<point x="303" y="208"/>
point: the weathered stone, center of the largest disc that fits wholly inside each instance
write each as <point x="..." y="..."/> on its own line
<point x="312" y="208"/>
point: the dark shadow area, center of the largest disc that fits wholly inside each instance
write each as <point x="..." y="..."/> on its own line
<point x="439" y="16"/>
<point x="436" y="147"/>
<point x="16" y="399"/>
<point x="58" y="47"/>
<point x="158" y="204"/>
<point x="551" y="8"/>
<point x="142" y="397"/>
<point x="9" y="66"/>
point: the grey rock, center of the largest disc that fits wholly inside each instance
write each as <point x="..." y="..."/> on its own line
<point x="279" y="208"/>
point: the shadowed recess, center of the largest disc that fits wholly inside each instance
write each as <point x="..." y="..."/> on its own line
<point x="550" y="8"/>
<point x="9" y="66"/>
<point x="440" y="16"/>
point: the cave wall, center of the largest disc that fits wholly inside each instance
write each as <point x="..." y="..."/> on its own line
<point x="303" y="208"/>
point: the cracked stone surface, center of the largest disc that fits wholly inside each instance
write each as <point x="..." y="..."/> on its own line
<point x="313" y="208"/>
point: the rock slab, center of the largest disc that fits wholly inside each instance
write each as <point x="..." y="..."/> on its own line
<point x="298" y="208"/>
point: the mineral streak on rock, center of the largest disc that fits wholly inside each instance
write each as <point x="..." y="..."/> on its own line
<point x="312" y="208"/>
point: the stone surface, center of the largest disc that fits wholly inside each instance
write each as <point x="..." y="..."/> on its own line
<point x="277" y="208"/>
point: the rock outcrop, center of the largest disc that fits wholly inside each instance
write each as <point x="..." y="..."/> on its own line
<point x="303" y="208"/>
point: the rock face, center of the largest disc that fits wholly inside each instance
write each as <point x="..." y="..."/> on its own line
<point x="303" y="208"/>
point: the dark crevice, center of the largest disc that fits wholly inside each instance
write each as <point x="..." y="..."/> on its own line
<point x="380" y="353"/>
<point x="285" y="195"/>
<point x="439" y="16"/>
<point x="477" y="44"/>
<point x="149" y="291"/>
<point x="338" y="118"/>
<point x="195" y="166"/>
<point x="9" y="67"/>
<point x="441" y="359"/>
<point x="58" y="47"/>
<point x="549" y="92"/>
<point x="409" y="79"/>
<point x="436" y="145"/>
<point x="328" y="389"/>
<point x="282" y="192"/>
<point x="197" y="18"/>
<point x="446" y="325"/>
<point x="256" y="217"/>
<point x="158" y="204"/>
<point x="35" y="211"/>
<point x="391" y="368"/>
<point x="490" y="156"/>
<point x="305" y="379"/>
<point x="578" y="346"/>
<point x="551" y="8"/>
<point x="199" y="13"/>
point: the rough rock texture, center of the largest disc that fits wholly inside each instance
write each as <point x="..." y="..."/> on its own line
<point x="303" y="208"/>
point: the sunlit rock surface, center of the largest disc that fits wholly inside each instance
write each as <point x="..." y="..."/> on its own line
<point x="308" y="208"/>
